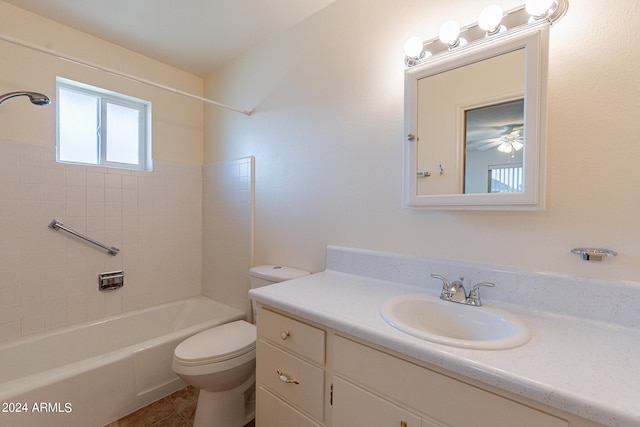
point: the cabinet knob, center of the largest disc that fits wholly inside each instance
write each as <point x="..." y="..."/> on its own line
<point x="403" y="423"/>
<point x="284" y="335"/>
<point x="285" y="379"/>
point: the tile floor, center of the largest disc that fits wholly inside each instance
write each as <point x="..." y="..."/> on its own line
<point x="175" y="410"/>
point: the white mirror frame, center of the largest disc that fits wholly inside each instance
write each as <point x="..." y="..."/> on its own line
<point x="534" y="38"/>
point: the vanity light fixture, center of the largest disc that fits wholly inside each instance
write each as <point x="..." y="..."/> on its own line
<point x="538" y="9"/>
<point x="492" y="22"/>
<point x="414" y="51"/>
<point x="450" y="34"/>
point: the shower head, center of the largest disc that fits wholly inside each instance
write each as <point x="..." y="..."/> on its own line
<point x="34" y="97"/>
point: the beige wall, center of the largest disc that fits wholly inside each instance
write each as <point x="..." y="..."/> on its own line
<point x="327" y="135"/>
<point x="178" y="121"/>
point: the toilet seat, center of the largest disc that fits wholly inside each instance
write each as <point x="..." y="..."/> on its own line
<point x="218" y="344"/>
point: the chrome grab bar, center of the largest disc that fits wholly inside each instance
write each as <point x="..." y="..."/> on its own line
<point x="57" y="225"/>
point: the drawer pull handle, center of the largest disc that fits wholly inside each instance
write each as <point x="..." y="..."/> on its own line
<point x="286" y="379"/>
<point x="403" y="423"/>
<point x="284" y="335"/>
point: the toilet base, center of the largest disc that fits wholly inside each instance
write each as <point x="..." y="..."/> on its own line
<point x="230" y="408"/>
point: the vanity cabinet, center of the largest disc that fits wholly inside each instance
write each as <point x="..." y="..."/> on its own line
<point x="441" y="400"/>
<point x="312" y="376"/>
<point x="354" y="406"/>
<point x="290" y="376"/>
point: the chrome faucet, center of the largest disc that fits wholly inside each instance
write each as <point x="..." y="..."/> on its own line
<point x="455" y="291"/>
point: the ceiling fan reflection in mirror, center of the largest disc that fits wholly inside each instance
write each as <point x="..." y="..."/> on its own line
<point x="498" y="125"/>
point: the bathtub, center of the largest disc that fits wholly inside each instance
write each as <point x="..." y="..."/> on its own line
<point x="96" y="372"/>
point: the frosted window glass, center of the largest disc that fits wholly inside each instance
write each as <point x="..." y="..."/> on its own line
<point x="123" y="134"/>
<point x="78" y="127"/>
<point x="102" y="128"/>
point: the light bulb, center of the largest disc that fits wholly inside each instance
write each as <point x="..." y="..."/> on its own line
<point x="538" y="7"/>
<point x="449" y="33"/>
<point x="413" y="47"/>
<point x="490" y="17"/>
<point x="505" y="147"/>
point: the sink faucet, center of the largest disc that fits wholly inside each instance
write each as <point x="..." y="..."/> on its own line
<point x="455" y="291"/>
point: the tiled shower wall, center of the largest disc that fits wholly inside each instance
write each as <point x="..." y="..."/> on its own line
<point x="228" y="200"/>
<point x="48" y="279"/>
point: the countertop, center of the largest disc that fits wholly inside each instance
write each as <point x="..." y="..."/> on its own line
<point x="584" y="367"/>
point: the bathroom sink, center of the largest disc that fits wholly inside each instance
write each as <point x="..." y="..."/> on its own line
<point x="455" y="324"/>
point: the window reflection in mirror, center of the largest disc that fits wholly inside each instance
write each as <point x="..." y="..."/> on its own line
<point x="494" y="142"/>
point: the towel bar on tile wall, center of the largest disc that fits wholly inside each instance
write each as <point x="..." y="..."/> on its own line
<point x="57" y="225"/>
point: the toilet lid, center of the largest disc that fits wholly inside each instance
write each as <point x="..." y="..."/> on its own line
<point x="217" y="344"/>
<point x="276" y="273"/>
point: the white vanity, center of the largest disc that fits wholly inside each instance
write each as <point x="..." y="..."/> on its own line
<point x="326" y="357"/>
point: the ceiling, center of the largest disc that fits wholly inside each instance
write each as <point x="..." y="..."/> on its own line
<point x="193" y="35"/>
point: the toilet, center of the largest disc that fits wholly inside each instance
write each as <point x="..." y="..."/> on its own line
<point x="221" y="361"/>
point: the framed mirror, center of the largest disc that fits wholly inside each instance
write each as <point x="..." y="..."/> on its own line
<point x="475" y="120"/>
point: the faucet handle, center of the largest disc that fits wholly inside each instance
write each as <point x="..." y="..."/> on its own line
<point x="474" y="293"/>
<point x="446" y="286"/>
<point x="437" y="276"/>
<point x="445" y="282"/>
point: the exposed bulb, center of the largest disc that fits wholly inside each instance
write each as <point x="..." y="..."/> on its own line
<point x="505" y="147"/>
<point x="538" y="7"/>
<point x="413" y="47"/>
<point x="449" y="33"/>
<point x="490" y="18"/>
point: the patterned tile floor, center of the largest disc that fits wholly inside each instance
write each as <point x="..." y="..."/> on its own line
<point x="175" y="410"/>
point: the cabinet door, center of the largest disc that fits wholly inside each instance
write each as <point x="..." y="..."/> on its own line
<point x="274" y="412"/>
<point x="356" y="407"/>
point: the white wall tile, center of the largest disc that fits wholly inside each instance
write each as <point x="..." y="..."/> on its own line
<point x="48" y="278"/>
<point x="228" y="218"/>
<point x="95" y="179"/>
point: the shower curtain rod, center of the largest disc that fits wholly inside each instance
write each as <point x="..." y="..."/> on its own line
<point x="118" y="73"/>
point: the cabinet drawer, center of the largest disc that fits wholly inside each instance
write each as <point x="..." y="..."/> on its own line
<point x="295" y="336"/>
<point x="353" y="406"/>
<point x="306" y="389"/>
<point x="443" y="398"/>
<point x="272" y="411"/>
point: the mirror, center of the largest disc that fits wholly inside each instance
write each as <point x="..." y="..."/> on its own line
<point x="475" y="121"/>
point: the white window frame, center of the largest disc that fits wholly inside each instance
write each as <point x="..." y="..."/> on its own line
<point x="106" y="97"/>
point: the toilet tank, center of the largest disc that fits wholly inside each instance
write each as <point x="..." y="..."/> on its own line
<point x="264" y="275"/>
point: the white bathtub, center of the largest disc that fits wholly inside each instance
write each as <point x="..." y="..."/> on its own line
<point x="96" y="372"/>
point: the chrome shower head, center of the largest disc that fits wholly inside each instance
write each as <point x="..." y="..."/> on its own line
<point x="34" y="97"/>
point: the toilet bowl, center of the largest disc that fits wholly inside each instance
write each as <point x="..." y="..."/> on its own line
<point x="221" y="362"/>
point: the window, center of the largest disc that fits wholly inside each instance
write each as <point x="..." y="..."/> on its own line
<point x="102" y="128"/>
<point x="506" y="178"/>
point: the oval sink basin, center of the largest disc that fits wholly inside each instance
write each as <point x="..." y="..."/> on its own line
<point x="455" y="324"/>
